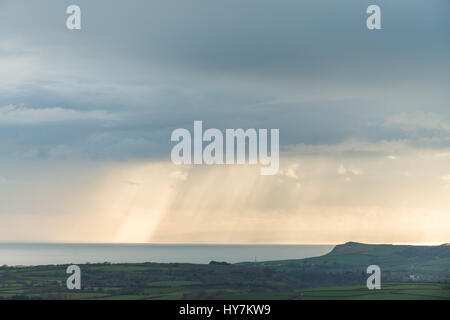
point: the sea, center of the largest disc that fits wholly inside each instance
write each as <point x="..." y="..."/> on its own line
<point x="32" y="254"/>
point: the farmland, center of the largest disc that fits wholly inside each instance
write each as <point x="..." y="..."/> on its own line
<point x="407" y="273"/>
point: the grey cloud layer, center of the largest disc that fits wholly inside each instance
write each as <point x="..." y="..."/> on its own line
<point x="139" y="69"/>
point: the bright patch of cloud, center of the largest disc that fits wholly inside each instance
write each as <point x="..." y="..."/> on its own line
<point x="420" y="120"/>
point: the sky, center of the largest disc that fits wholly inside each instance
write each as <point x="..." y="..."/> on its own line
<point x="86" y="117"/>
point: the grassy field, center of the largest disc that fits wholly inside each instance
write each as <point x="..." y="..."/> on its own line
<point x="389" y="291"/>
<point x="143" y="281"/>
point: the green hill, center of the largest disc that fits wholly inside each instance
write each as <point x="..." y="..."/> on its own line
<point x="397" y="262"/>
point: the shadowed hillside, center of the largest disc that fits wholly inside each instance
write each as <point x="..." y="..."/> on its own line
<point x="397" y="262"/>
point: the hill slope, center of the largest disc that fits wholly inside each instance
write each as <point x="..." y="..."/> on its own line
<point x="397" y="262"/>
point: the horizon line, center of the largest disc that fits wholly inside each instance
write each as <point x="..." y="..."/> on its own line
<point x="434" y="243"/>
